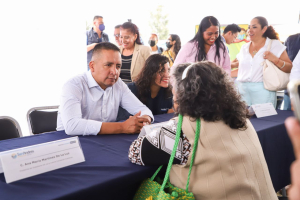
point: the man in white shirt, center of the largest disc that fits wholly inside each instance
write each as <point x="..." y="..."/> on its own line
<point x="90" y="102"/>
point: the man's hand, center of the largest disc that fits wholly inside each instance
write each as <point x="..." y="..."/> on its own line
<point x="145" y="117"/>
<point x="270" y="56"/>
<point x="135" y="123"/>
<point x="293" y="129"/>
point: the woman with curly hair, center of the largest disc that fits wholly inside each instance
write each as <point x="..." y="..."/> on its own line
<point x="229" y="162"/>
<point x="174" y="45"/>
<point x="152" y="87"/>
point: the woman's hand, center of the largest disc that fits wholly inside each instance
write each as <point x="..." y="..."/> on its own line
<point x="270" y="56"/>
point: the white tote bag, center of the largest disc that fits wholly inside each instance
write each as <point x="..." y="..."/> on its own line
<point x="274" y="79"/>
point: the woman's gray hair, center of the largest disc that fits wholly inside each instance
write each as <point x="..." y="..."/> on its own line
<point x="207" y="92"/>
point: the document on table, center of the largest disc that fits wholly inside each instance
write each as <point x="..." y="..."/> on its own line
<point x="263" y="110"/>
<point x="29" y="161"/>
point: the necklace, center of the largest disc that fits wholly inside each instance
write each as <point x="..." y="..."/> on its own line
<point x="255" y="51"/>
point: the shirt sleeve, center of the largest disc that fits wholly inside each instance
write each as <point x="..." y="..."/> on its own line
<point x="147" y="53"/>
<point x="143" y="152"/>
<point x="287" y="44"/>
<point x="87" y="39"/>
<point x="132" y="104"/>
<point x="277" y="48"/>
<point x="71" y="114"/>
<point x="181" y="56"/>
<point x="180" y="59"/>
<point x="295" y="73"/>
<point x="226" y="64"/>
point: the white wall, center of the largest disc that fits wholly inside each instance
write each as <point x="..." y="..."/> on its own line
<point x="42" y="44"/>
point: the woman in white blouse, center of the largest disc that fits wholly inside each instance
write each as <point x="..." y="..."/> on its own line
<point x="251" y="58"/>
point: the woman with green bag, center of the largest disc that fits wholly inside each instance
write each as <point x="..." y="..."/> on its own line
<point x="216" y="154"/>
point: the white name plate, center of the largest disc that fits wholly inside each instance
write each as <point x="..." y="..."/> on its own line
<point x="29" y="161"/>
<point x="263" y="110"/>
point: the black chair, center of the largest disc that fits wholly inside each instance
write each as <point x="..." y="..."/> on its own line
<point x="42" y="119"/>
<point x="9" y="128"/>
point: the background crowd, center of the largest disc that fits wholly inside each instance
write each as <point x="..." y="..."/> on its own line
<point x="195" y="80"/>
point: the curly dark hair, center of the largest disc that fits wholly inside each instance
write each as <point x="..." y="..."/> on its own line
<point x="205" y="24"/>
<point x="133" y="29"/>
<point x="208" y="93"/>
<point x="177" y="46"/>
<point x="153" y="65"/>
<point x="270" y="32"/>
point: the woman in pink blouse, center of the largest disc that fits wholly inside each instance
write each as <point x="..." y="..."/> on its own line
<point x="206" y="45"/>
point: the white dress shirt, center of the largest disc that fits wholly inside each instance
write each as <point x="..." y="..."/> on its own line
<point x="251" y="69"/>
<point x="85" y="105"/>
<point x="295" y="73"/>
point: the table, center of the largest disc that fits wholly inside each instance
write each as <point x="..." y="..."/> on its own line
<point x="108" y="174"/>
<point x="276" y="146"/>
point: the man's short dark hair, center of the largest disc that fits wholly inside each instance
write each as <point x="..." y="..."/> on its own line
<point x="155" y="35"/>
<point x="97" y="17"/>
<point x="233" y="28"/>
<point x="104" y="46"/>
<point x="118" y="26"/>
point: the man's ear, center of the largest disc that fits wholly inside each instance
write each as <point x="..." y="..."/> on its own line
<point x="91" y="65"/>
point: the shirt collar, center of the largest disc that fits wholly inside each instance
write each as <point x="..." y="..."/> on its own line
<point x="91" y="80"/>
<point x="223" y="39"/>
<point x="211" y="48"/>
<point x="267" y="42"/>
<point x="94" y="32"/>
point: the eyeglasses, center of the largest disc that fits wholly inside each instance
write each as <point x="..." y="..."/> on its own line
<point x="117" y="35"/>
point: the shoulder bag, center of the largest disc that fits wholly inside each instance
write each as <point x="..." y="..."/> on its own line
<point x="155" y="190"/>
<point x="274" y="79"/>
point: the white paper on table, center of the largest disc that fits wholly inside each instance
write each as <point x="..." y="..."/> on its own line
<point x="264" y="110"/>
<point x="25" y="162"/>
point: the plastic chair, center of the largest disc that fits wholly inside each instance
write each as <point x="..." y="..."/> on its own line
<point x="42" y="119"/>
<point x="9" y="128"/>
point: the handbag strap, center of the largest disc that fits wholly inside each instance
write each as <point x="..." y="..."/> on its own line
<point x="178" y="132"/>
<point x="197" y="135"/>
<point x="269" y="45"/>
<point x="156" y="172"/>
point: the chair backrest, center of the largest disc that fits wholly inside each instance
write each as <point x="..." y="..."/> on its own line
<point x="9" y="128"/>
<point x="42" y="119"/>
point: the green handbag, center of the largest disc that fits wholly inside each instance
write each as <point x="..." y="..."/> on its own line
<point x="158" y="190"/>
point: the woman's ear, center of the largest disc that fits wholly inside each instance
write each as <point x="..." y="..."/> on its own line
<point x="135" y="37"/>
<point x="264" y="29"/>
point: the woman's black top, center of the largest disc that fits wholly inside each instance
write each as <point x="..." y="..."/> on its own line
<point x="158" y="105"/>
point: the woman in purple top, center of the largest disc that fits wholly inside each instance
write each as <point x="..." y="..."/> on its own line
<point x="206" y="45"/>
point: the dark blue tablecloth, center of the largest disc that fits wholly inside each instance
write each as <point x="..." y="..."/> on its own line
<point x="108" y="174"/>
